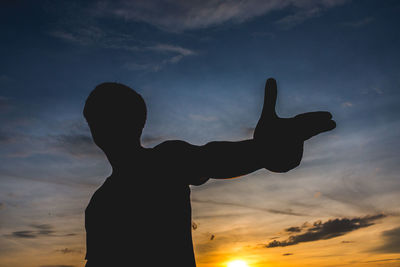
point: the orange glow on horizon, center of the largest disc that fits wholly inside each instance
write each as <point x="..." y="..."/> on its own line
<point x="237" y="263"/>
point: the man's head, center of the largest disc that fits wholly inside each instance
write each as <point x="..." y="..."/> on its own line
<point x="116" y="115"/>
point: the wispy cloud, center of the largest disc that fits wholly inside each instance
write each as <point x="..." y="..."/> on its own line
<point x="24" y="234"/>
<point x="359" y="23"/>
<point x="285" y="212"/>
<point x="172" y="48"/>
<point x="41" y="230"/>
<point x="176" y="16"/>
<point x="287" y="254"/>
<point x="118" y="40"/>
<point x="173" y="54"/>
<point x="69" y="250"/>
<point x="327" y="230"/>
<point x="299" y="17"/>
<point x="347" y="104"/>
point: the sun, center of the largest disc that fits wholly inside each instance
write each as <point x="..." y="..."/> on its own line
<point x="237" y="263"/>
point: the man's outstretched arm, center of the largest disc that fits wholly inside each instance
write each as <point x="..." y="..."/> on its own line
<point x="223" y="159"/>
<point x="277" y="144"/>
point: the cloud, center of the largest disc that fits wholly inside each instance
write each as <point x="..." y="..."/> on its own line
<point x="181" y="15"/>
<point x="299" y="17"/>
<point x="39" y="231"/>
<point x="391" y="241"/>
<point x="194" y="226"/>
<point x="68" y="251"/>
<point x="86" y="35"/>
<point x="178" y="54"/>
<point x="24" y="234"/>
<point x="347" y="104"/>
<point x="285" y="212"/>
<point x="58" y="265"/>
<point x="172" y="48"/>
<point x="294" y="229"/>
<point x="327" y="230"/>
<point x="115" y="39"/>
<point x="287" y="254"/>
<point x="359" y="23"/>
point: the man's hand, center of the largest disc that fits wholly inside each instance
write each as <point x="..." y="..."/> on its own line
<point x="281" y="139"/>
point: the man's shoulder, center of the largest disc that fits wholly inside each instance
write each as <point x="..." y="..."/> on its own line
<point x="174" y="146"/>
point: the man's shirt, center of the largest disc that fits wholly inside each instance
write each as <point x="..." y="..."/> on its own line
<point x="143" y="213"/>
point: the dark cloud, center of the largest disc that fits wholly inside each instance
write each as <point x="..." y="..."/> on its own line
<point x="70" y="234"/>
<point x="294" y="229"/>
<point x="327" y="230"/>
<point x="391" y="241"/>
<point x="194" y="225"/>
<point x="40" y="230"/>
<point x="68" y="251"/>
<point x="24" y="234"/>
<point x="287" y="254"/>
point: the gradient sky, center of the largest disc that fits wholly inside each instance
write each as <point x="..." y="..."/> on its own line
<point x="201" y="68"/>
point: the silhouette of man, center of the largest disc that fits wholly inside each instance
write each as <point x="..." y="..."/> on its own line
<point x="141" y="215"/>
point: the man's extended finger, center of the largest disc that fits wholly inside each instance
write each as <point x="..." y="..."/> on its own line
<point x="314" y="116"/>
<point x="309" y="130"/>
<point x="269" y="99"/>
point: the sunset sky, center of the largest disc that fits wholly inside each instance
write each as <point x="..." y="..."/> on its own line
<point x="201" y="68"/>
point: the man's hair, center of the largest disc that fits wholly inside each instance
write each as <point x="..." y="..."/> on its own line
<point x="115" y="103"/>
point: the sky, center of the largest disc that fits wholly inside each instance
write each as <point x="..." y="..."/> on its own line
<point x="201" y="68"/>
